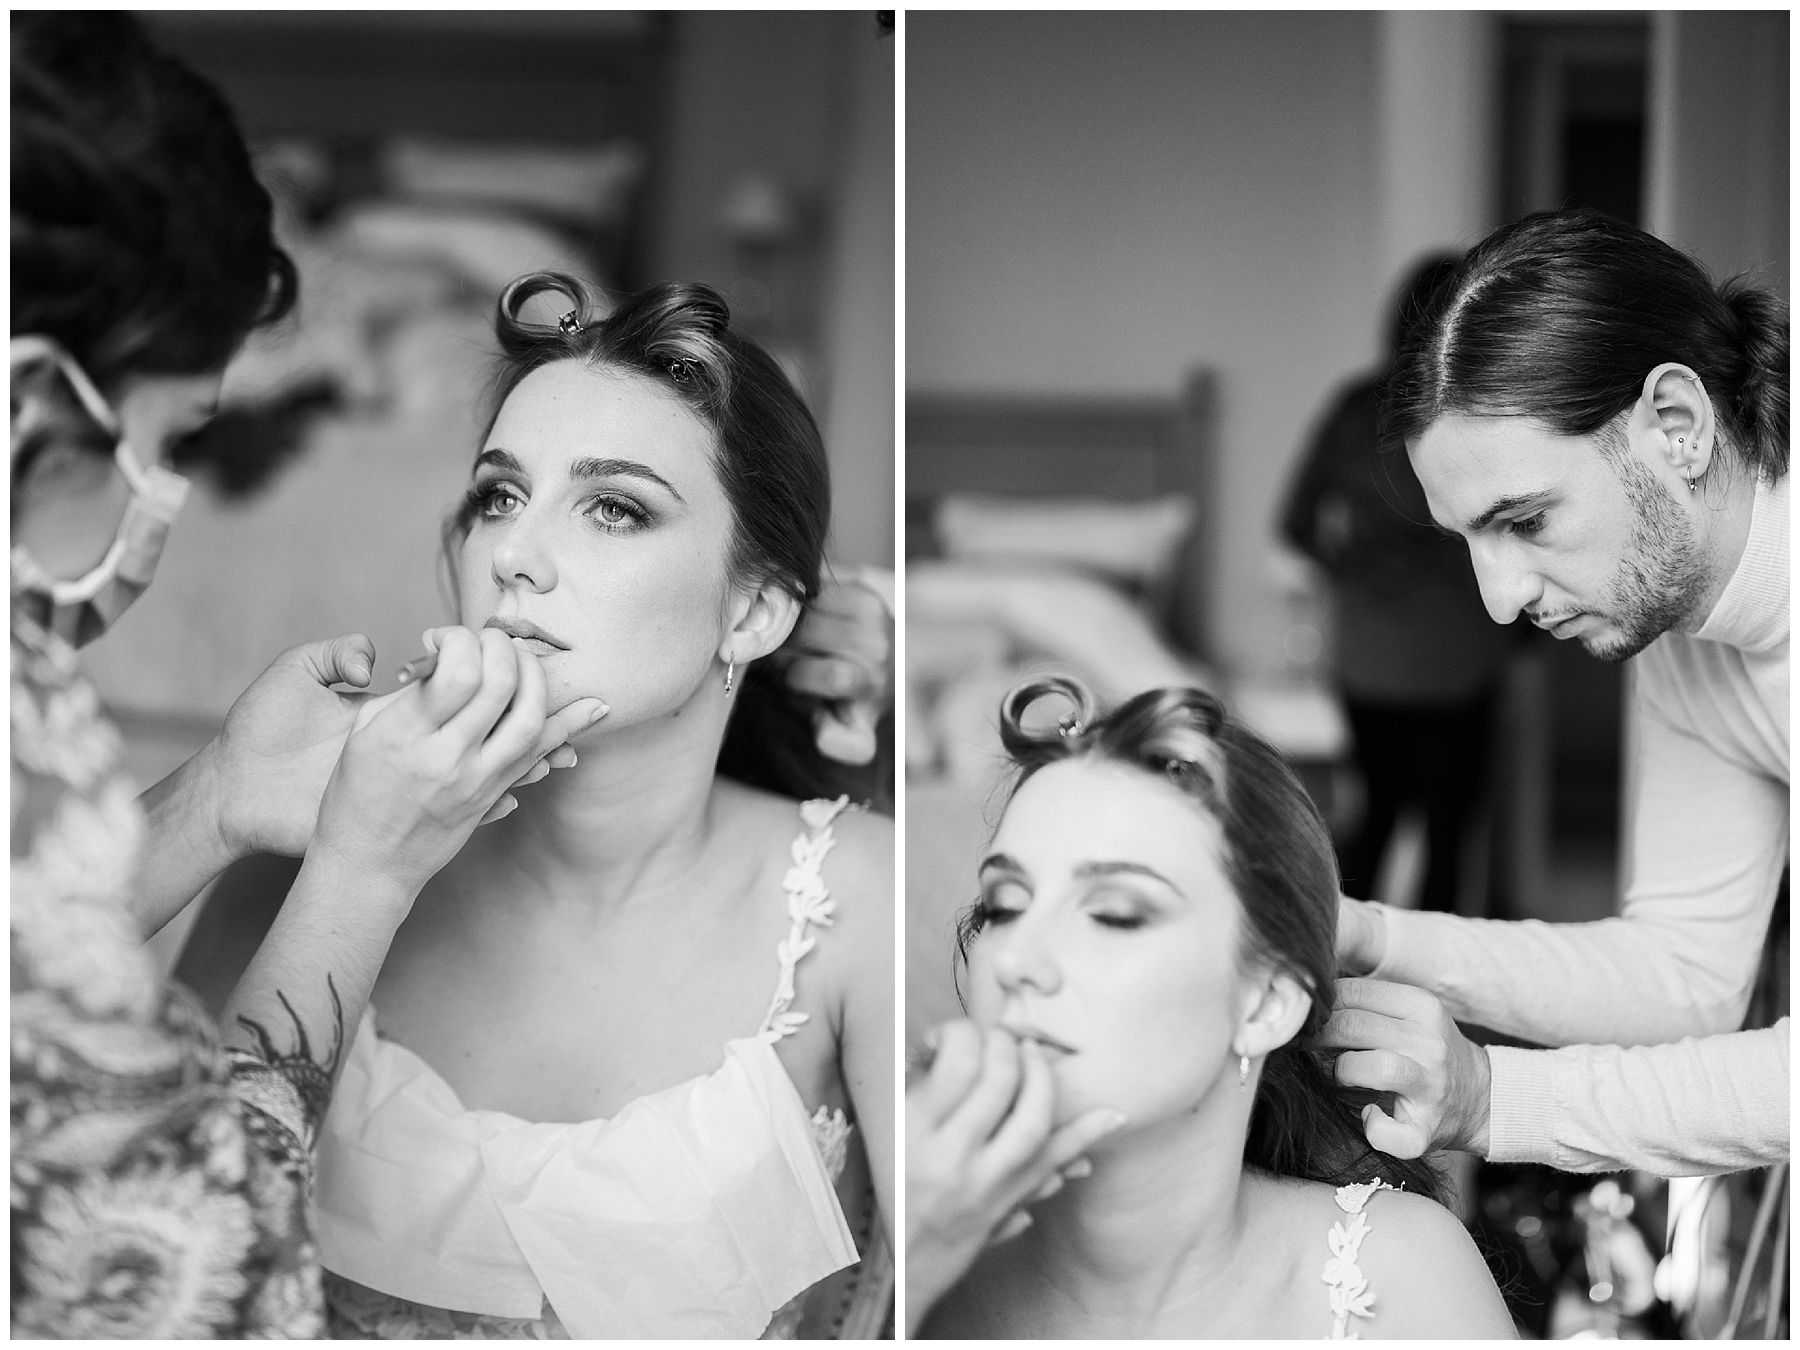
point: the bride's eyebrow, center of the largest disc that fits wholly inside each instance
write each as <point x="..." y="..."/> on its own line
<point x="501" y="460"/>
<point x="1003" y="863"/>
<point x="1110" y="868"/>
<point x="629" y="468"/>
<point x="582" y="469"/>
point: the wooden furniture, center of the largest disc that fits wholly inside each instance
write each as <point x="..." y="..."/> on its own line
<point x="1118" y="447"/>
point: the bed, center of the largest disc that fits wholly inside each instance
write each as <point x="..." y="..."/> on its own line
<point x="1042" y="533"/>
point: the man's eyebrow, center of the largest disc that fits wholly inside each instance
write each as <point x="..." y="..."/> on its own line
<point x="1504" y="505"/>
<point x="585" y="468"/>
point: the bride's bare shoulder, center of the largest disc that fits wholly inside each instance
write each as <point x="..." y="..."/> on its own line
<point x="1424" y="1270"/>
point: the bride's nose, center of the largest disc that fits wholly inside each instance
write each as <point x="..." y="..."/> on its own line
<point x="1025" y="960"/>
<point x="523" y="556"/>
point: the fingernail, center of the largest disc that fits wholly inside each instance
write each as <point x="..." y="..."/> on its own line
<point x="596" y="716"/>
<point x="932" y="1038"/>
<point x="1112" y="1120"/>
<point x="1081" y="1167"/>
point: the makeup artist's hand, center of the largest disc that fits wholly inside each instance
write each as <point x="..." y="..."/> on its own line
<point x="1399" y="1039"/>
<point x="269" y="764"/>
<point x="560" y="757"/>
<point x="844" y="653"/>
<point x="981" y="1144"/>
<point x="424" y="765"/>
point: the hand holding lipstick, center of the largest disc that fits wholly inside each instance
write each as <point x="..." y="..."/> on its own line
<point x="981" y="1144"/>
<point x="424" y="765"/>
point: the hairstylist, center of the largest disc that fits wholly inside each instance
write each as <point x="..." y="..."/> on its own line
<point x="1609" y="432"/>
<point x="159" y="1175"/>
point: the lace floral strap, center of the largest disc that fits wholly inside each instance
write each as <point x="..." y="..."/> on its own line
<point x="808" y="903"/>
<point x="1350" y="1292"/>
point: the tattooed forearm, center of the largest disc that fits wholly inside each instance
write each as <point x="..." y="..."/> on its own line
<point x="309" y="1077"/>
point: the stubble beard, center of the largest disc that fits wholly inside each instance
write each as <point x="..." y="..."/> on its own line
<point x="1661" y="578"/>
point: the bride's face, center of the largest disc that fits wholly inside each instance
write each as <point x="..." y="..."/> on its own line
<point x="1109" y="936"/>
<point x="600" y="535"/>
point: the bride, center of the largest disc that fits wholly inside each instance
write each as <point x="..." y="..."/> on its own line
<point x="629" y="1041"/>
<point x="1128" y="1139"/>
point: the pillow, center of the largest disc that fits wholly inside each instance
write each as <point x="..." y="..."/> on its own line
<point x="592" y="185"/>
<point x="975" y="629"/>
<point x="1135" y="542"/>
<point x="487" y="248"/>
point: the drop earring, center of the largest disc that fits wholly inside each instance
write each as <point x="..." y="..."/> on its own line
<point x="1243" y="1071"/>
<point x="730" y="672"/>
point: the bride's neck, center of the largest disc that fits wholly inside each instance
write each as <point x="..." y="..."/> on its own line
<point x="1157" y="1227"/>
<point x="639" y="803"/>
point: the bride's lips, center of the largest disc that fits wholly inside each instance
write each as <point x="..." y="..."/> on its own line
<point x="528" y="635"/>
<point x="1055" y="1048"/>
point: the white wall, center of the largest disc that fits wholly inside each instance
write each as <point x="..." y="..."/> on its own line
<point x="1719" y="173"/>
<point x="1097" y="202"/>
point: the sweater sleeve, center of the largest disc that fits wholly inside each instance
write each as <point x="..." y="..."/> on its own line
<point x="1694" y="1108"/>
<point x="1708" y="844"/>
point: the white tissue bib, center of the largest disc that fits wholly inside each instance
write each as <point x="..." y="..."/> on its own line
<point x="699" y="1210"/>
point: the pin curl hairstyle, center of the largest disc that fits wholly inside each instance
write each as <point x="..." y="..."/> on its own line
<point x="1277" y="856"/>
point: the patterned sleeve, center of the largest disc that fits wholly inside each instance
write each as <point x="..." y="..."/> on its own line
<point x="158" y="1189"/>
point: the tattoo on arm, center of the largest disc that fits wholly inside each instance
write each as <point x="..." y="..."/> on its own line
<point x="308" y="1076"/>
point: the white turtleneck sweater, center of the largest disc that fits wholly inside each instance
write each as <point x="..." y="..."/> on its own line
<point x="1654" y="1073"/>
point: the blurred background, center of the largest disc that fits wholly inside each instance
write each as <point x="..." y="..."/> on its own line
<point x="1147" y="254"/>
<point x="420" y="159"/>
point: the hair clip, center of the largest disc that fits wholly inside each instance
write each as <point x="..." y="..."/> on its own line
<point x="1069" y="727"/>
<point x="571" y="323"/>
<point x="681" y="370"/>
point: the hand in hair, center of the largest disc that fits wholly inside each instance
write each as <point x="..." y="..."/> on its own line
<point x="981" y="1144"/>
<point x="844" y="653"/>
<point x="1361" y="938"/>
<point x="1399" y="1039"/>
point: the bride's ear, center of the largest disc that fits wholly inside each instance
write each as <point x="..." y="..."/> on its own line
<point x="1273" y="1013"/>
<point x="762" y="618"/>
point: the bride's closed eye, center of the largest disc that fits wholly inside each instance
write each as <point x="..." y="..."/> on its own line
<point x="1002" y="900"/>
<point x="1113" y="908"/>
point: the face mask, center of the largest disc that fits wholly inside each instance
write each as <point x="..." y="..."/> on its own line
<point x="79" y="609"/>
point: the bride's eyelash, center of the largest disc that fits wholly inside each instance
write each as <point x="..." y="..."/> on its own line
<point x="639" y="516"/>
<point x="480" y="497"/>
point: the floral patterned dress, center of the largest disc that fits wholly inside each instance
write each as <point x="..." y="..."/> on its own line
<point x="158" y="1181"/>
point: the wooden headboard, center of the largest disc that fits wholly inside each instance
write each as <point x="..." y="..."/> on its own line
<point x="1123" y="448"/>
